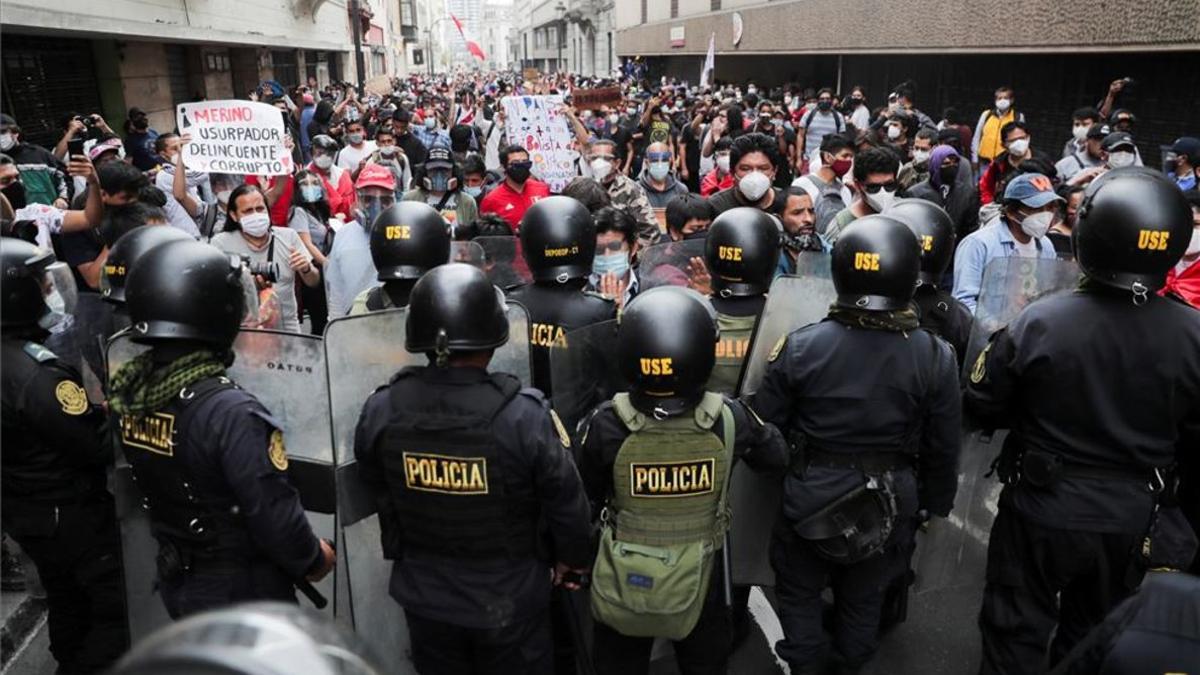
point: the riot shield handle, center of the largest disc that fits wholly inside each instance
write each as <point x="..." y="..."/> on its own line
<point x="314" y="596"/>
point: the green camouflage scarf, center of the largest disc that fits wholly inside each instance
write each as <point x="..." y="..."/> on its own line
<point x="139" y="388"/>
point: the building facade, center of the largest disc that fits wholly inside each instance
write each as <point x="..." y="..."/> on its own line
<point x="1063" y="56"/>
<point x="62" y="55"/>
<point x="572" y="35"/>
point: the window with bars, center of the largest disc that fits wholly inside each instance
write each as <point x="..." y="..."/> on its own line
<point x="674" y="9"/>
<point x="644" y="2"/>
<point x="714" y="5"/>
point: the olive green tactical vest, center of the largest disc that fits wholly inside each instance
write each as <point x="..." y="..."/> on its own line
<point x="732" y="349"/>
<point x="669" y="477"/>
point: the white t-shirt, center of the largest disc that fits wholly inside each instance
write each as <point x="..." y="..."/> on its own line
<point x="1029" y="250"/>
<point x="48" y="219"/>
<point x="349" y="156"/>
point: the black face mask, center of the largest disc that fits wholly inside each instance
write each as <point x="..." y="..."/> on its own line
<point x="824" y="105"/>
<point x="699" y="234"/>
<point x="16" y="195"/>
<point x="141" y="124"/>
<point x="518" y="171"/>
<point x="948" y="174"/>
<point x="803" y="242"/>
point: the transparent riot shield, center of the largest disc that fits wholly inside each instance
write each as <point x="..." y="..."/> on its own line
<point x="503" y="262"/>
<point x="793" y="302"/>
<point x="584" y="371"/>
<point x="670" y="264"/>
<point x="286" y="373"/>
<point x="467" y="252"/>
<point x="363" y="352"/>
<point x="1009" y="285"/>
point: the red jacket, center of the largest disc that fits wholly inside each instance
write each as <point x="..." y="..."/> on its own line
<point x="510" y="204"/>
<point x="1185" y="285"/>
<point x="709" y="184"/>
<point x="341" y="196"/>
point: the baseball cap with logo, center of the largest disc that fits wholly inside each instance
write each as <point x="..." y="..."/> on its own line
<point x="374" y="175"/>
<point x="1117" y="139"/>
<point x="439" y="158"/>
<point x="1031" y="189"/>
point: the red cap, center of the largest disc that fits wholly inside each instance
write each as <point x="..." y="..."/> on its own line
<point x="374" y="175"/>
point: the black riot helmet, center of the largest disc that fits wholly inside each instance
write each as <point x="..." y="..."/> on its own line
<point x="666" y="347"/>
<point x="875" y="264"/>
<point x="742" y="252"/>
<point x="935" y="235"/>
<point x="259" y="638"/>
<point x="30" y="285"/>
<point x="185" y="290"/>
<point x="454" y="308"/>
<point x="407" y="240"/>
<point x="558" y="239"/>
<point x="1134" y="224"/>
<point x="127" y="251"/>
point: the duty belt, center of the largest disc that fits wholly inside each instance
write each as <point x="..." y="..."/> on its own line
<point x="867" y="462"/>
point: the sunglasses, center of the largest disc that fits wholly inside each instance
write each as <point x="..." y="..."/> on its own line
<point x="874" y="188"/>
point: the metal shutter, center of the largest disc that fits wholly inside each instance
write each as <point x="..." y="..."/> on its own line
<point x="45" y="78"/>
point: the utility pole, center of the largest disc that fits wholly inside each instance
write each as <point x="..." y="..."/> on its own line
<point x="356" y="28"/>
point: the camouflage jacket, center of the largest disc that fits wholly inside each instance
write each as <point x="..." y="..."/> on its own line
<point x="626" y="194"/>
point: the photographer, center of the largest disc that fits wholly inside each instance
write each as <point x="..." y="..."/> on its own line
<point x="275" y="256"/>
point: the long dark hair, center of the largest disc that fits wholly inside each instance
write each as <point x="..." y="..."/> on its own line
<point x="318" y="209"/>
<point x="232" y="225"/>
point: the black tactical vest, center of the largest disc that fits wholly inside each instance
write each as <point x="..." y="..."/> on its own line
<point x="447" y="476"/>
<point x="555" y="310"/>
<point x="154" y="444"/>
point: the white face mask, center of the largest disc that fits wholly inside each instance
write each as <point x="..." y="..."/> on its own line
<point x="1080" y="132"/>
<point x="659" y="170"/>
<point x="7" y="141"/>
<point x="1038" y="224"/>
<point x="1194" y="247"/>
<point x="1003" y="104"/>
<point x="255" y="224"/>
<point x="601" y="168"/>
<point x="1018" y="147"/>
<point x="1121" y="158"/>
<point x="893" y="132"/>
<point x="880" y="201"/>
<point x="754" y="185"/>
<point x="921" y="157"/>
<point x="223" y="196"/>
<point x="54" y="301"/>
<point x="323" y="162"/>
<point x="723" y="163"/>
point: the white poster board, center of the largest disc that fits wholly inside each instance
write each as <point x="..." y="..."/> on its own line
<point x="537" y="124"/>
<point x="234" y="137"/>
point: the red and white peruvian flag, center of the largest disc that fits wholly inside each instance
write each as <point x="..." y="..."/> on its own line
<point x="472" y="46"/>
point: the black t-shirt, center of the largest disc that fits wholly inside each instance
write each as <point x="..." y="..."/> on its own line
<point x="727" y="199"/>
<point x="79" y="248"/>
<point x="689" y="140"/>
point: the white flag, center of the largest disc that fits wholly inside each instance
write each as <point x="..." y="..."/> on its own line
<point x="709" y="61"/>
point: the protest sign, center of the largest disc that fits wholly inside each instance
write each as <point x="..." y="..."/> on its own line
<point x="531" y="74"/>
<point x="380" y="85"/>
<point x="235" y="137"/>
<point x="538" y="124"/>
<point x="591" y="99"/>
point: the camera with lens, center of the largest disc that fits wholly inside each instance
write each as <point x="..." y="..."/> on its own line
<point x="269" y="271"/>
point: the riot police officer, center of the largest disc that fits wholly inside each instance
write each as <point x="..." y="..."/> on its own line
<point x="407" y="240"/>
<point x="656" y="463"/>
<point x="54" y="500"/>
<point x="938" y="311"/>
<point x="1100" y="389"/>
<point x="871" y="404"/>
<point x="558" y="240"/>
<point x="741" y="252"/>
<point x="466" y="464"/>
<point x="123" y="255"/>
<point x="209" y="459"/>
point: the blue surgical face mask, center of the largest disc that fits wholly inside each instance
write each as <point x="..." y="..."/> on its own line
<point x="311" y="193"/>
<point x="617" y="263"/>
<point x="474" y="191"/>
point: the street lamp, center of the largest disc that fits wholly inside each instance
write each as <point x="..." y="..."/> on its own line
<point x="560" y="10"/>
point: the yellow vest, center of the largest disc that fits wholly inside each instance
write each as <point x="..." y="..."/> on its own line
<point x="990" y="143"/>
